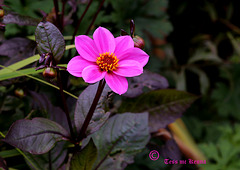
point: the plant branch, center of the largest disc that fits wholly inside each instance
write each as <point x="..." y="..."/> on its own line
<point x="78" y="24"/>
<point x="65" y="105"/>
<point x="57" y="16"/>
<point x="95" y="17"/>
<point x="87" y="120"/>
<point x="80" y="20"/>
<point x="62" y="14"/>
<point x="49" y="160"/>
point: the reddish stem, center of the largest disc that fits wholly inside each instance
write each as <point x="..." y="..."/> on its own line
<point x="95" y="16"/>
<point x="56" y="13"/>
<point x="87" y="120"/>
<point x="80" y="20"/>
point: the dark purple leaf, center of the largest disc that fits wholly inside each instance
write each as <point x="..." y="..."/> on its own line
<point x="14" y="18"/>
<point x="169" y="150"/>
<point x="17" y="49"/>
<point x="49" y="40"/>
<point x="85" y="158"/>
<point x="55" y="113"/>
<point x="83" y="104"/>
<point x="153" y="81"/>
<point x="120" y="139"/>
<point x="58" y="155"/>
<point x="164" y="106"/>
<point x="36" y="136"/>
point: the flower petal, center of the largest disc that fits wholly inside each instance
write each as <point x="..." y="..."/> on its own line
<point x="129" y="68"/>
<point x="76" y="66"/>
<point x="86" y="48"/>
<point x="92" y="74"/>
<point x="118" y="84"/>
<point x="123" y="43"/>
<point x="104" y="40"/>
<point x="135" y="54"/>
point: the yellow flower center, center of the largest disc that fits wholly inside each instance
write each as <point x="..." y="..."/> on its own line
<point x="107" y="62"/>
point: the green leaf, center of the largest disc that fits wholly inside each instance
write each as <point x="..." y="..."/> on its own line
<point x="82" y="107"/>
<point x="42" y="81"/>
<point x="180" y="79"/>
<point x="234" y="42"/>
<point x="29" y="7"/>
<point x="49" y="40"/>
<point x="206" y="53"/>
<point x="164" y="106"/>
<point x="151" y="13"/>
<point x="20" y="64"/>
<point x="23" y="72"/>
<point x="203" y="79"/>
<point x="36" y="136"/>
<point x="120" y="139"/>
<point x="25" y="62"/>
<point x="9" y="153"/>
<point x="20" y="73"/>
<point x="226" y="96"/>
<point x="225" y="151"/>
<point x="85" y="159"/>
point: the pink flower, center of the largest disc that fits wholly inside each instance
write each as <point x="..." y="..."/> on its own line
<point x="107" y="57"/>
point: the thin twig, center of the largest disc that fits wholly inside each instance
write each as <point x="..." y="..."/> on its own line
<point x="80" y="20"/>
<point x="56" y="12"/>
<point x="93" y="20"/>
<point x="62" y="14"/>
<point x="65" y="106"/>
<point x="76" y="28"/>
<point x="95" y="17"/>
<point x="49" y="160"/>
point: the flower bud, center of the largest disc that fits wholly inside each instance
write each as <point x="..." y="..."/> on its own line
<point x="132" y="28"/>
<point x="138" y="42"/>
<point x="1" y="12"/>
<point x="19" y="92"/>
<point x="50" y="73"/>
<point x="42" y="58"/>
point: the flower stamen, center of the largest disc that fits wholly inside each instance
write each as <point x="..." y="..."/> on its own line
<point x="107" y="62"/>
